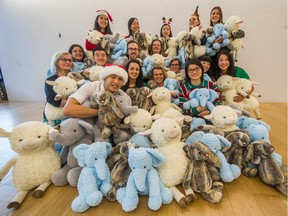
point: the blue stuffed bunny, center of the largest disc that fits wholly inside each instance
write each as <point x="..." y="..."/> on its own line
<point x="228" y="172"/>
<point x="201" y="97"/>
<point x="145" y="180"/>
<point x="172" y="85"/>
<point x="94" y="180"/>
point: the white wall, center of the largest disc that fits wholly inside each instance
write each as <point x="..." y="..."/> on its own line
<point x="30" y="28"/>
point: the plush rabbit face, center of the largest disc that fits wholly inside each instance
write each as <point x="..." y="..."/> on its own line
<point x="238" y="138"/>
<point x="197" y="151"/>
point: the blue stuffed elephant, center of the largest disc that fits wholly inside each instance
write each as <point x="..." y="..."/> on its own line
<point x="120" y="49"/>
<point x="201" y="97"/>
<point x="145" y="180"/>
<point x="172" y="85"/>
<point x="213" y="47"/>
<point x="147" y="66"/>
<point x="94" y="180"/>
<point x="228" y="172"/>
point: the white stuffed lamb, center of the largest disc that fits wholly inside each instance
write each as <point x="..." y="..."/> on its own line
<point x="161" y="97"/>
<point x="232" y="25"/>
<point x="93" y="72"/>
<point x="63" y="86"/>
<point x="224" y="117"/>
<point x="197" y="34"/>
<point x="172" y="47"/>
<point x="165" y="133"/>
<point x="226" y="85"/>
<point x="250" y="103"/>
<point x="35" y="163"/>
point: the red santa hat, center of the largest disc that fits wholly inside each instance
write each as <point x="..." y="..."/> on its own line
<point x="105" y="13"/>
<point x="113" y="70"/>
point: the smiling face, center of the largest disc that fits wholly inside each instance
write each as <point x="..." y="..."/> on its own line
<point x="77" y="54"/>
<point x="102" y="22"/>
<point x="135" y="26"/>
<point x="215" y="16"/>
<point x="194" y="21"/>
<point x="64" y="64"/>
<point x="100" y="58"/>
<point x="156" y="47"/>
<point x="206" y="65"/>
<point x="166" y="31"/>
<point x="113" y="83"/>
<point x="158" y="76"/>
<point x="132" y="50"/>
<point x="194" y="73"/>
<point x="223" y="63"/>
<point x="133" y="71"/>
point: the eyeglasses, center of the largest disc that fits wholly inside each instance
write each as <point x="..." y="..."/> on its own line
<point x="133" y="49"/>
<point x="174" y="64"/>
<point x="65" y="60"/>
<point x="197" y="69"/>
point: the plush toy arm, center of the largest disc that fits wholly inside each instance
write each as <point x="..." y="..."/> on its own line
<point x="211" y="39"/>
<point x="191" y="104"/>
<point x="244" y="94"/>
<point x="187" y="178"/>
<point x="117" y="112"/>
<point x="177" y="107"/>
<point x="5" y="169"/>
<point x="58" y="97"/>
<point x="210" y="106"/>
<point x="225" y="172"/>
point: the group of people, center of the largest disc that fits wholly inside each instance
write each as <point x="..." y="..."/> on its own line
<point x="199" y="72"/>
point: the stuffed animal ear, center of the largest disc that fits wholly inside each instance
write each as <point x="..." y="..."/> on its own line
<point x="4" y="133"/>
<point x="186" y="150"/>
<point x="209" y="117"/>
<point x="225" y="144"/>
<point x="79" y="153"/>
<point x="157" y="158"/>
<point x="52" y="83"/>
<point x="88" y="127"/>
<point x="146" y="133"/>
<point x="240" y="121"/>
<point x="238" y="112"/>
<point x="156" y="116"/>
<point x="108" y="147"/>
<point x="124" y="150"/>
<point x="166" y="82"/>
<point x="127" y="120"/>
<point x="193" y="93"/>
<point x="213" y="95"/>
<point x="194" y="137"/>
<point x="249" y="153"/>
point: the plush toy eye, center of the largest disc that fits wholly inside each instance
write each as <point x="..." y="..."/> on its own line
<point x="242" y="88"/>
<point x="163" y="130"/>
<point x="262" y="137"/>
<point x="144" y="126"/>
<point x="20" y="140"/>
<point x="133" y="167"/>
<point x="66" y="88"/>
<point x="39" y="137"/>
<point x="74" y="131"/>
<point x="228" y="82"/>
<point x="224" y="117"/>
<point x="96" y="159"/>
<point x="144" y="167"/>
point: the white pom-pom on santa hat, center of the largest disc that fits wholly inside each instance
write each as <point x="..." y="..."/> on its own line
<point x="113" y="70"/>
<point x="105" y="13"/>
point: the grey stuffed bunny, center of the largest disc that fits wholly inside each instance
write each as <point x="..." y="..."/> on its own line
<point x="202" y="175"/>
<point x="239" y="139"/>
<point x="259" y="153"/>
<point x="70" y="133"/>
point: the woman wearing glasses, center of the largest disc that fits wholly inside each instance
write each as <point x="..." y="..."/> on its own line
<point x="61" y="65"/>
<point x="194" y="80"/>
<point x="175" y="66"/>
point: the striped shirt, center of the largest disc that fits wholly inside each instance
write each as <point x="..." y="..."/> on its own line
<point x="187" y="88"/>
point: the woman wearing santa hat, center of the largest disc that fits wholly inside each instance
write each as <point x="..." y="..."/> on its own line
<point x="101" y="25"/>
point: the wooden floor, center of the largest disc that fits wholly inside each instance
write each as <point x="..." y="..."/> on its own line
<point x="244" y="196"/>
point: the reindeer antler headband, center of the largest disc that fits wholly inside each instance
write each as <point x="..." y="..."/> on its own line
<point x="168" y="22"/>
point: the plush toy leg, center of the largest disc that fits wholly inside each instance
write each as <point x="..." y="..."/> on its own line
<point x="283" y="188"/>
<point x="94" y="198"/>
<point x="120" y="194"/>
<point x="40" y="190"/>
<point x="257" y="113"/>
<point x="250" y="171"/>
<point x="111" y="195"/>
<point x="215" y="194"/>
<point x="79" y="204"/>
<point x="123" y="136"/>
<point x="166" y="194"/>
<point x="190" y="193"/>
<point x="59" y="177"/>
<point x="179" y="197"/>
<point x="235" y="170"/>
<point x="98" y="134"/>
<point x="73" y="176"/>
<point x="17" y="200"/>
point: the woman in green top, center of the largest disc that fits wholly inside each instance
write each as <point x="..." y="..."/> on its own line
<point x="225" y="66"/>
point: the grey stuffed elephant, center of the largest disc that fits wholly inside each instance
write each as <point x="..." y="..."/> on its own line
<point x="71" y="133"/>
